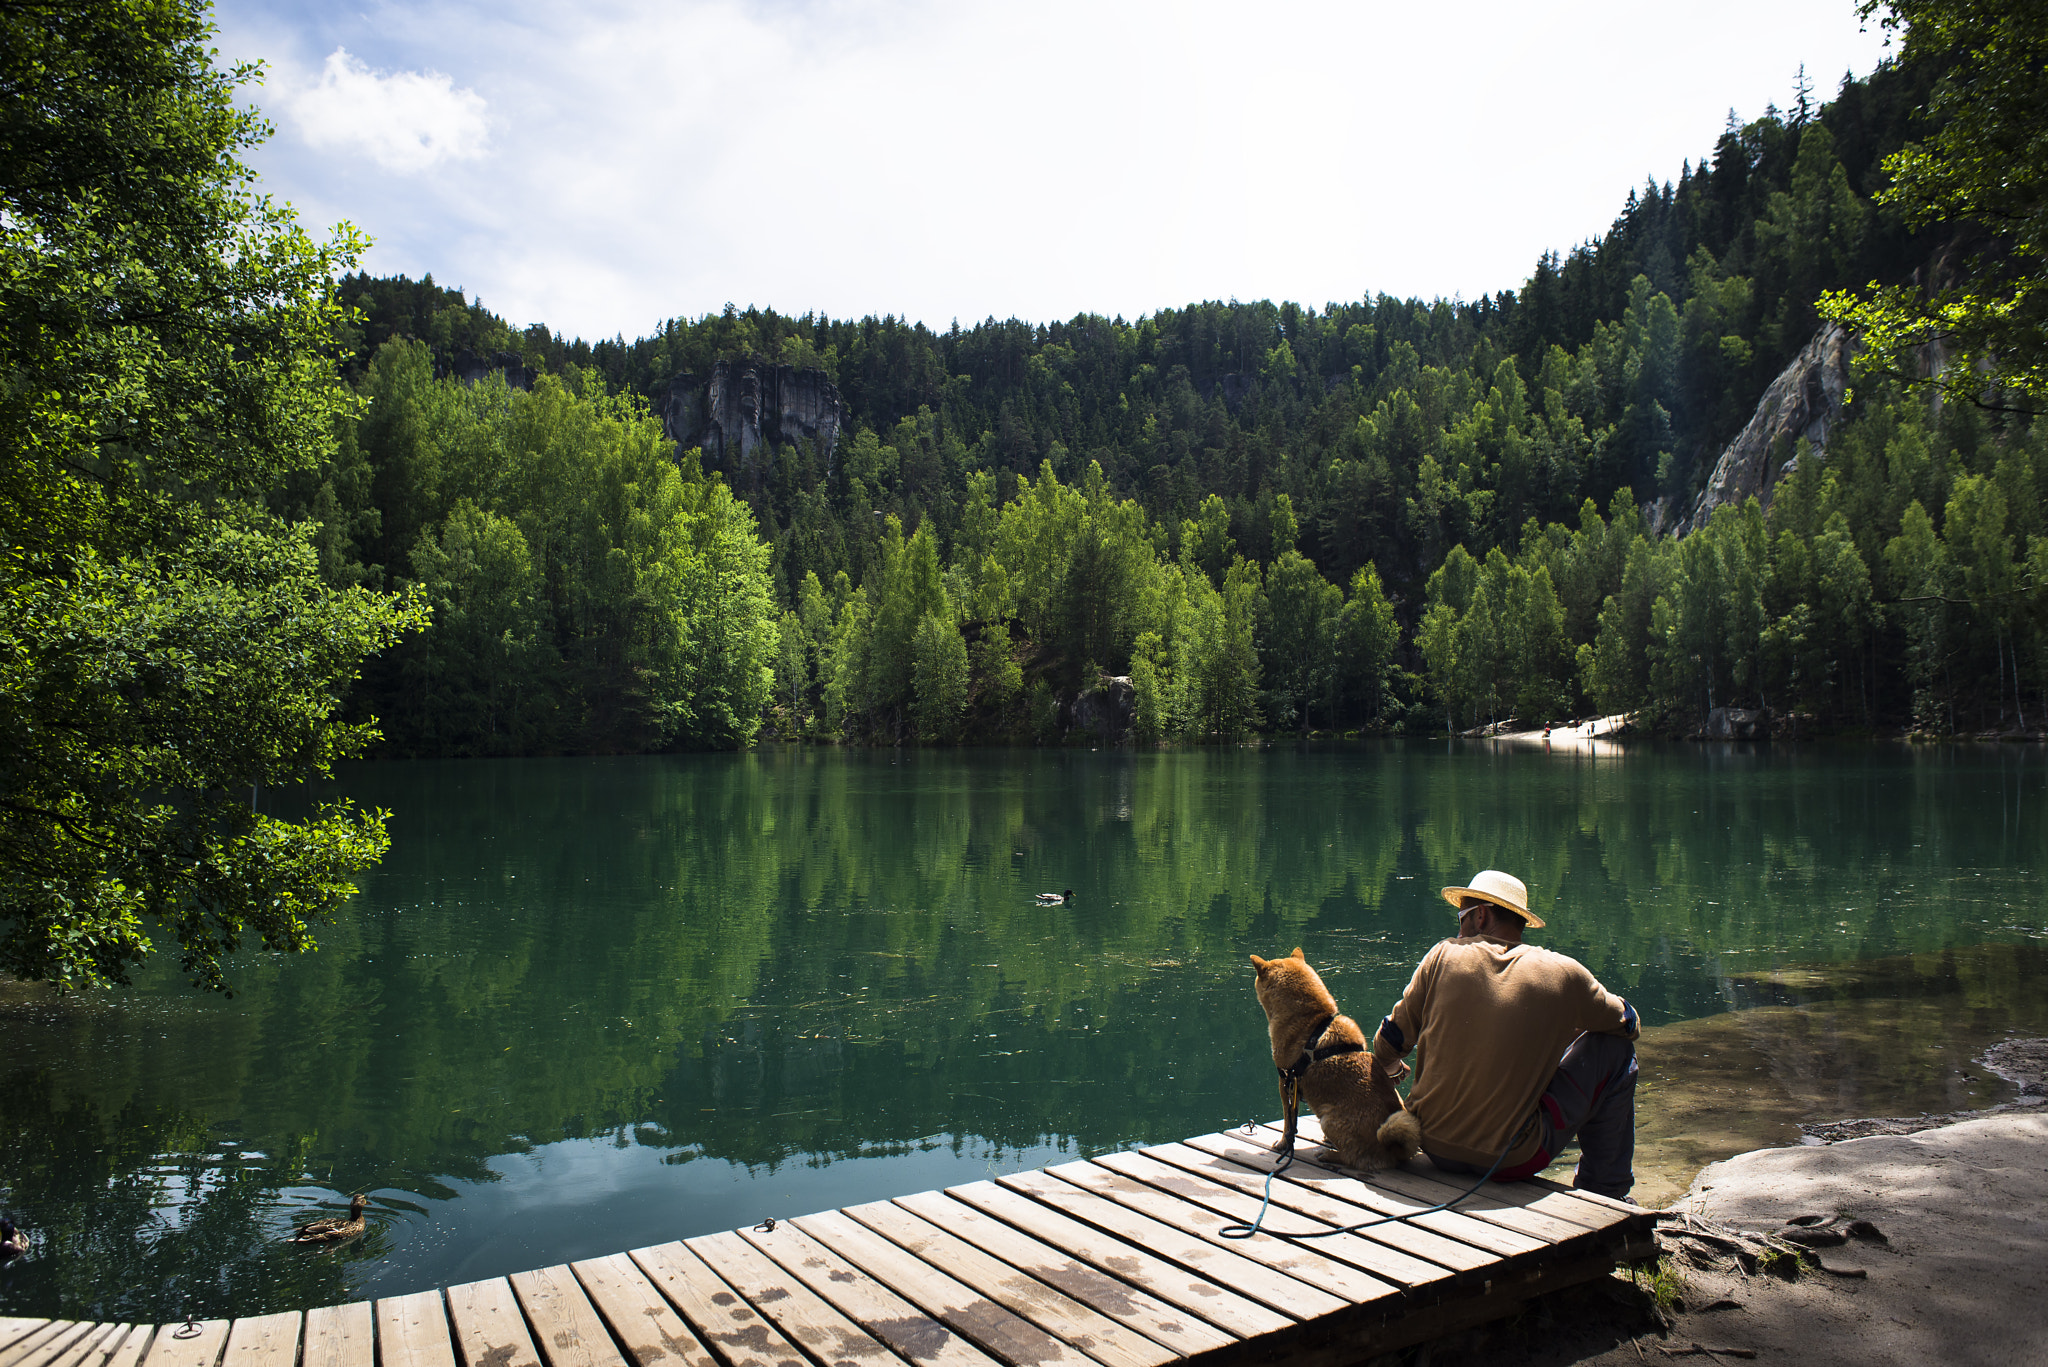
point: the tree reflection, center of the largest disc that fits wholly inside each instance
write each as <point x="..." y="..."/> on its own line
<point x="795" y="956"/>
<point x="140" y="1216"/>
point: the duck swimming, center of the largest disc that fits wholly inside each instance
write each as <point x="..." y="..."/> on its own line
<point x="12" y="1241"/>
<point x="333" y="1230"/>
<point x="1053" y="899"/>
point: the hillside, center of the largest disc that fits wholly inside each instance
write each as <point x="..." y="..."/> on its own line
<point x="1384" y="515"/>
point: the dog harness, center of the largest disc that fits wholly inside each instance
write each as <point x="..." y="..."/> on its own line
<point x="1313" y="1051"/>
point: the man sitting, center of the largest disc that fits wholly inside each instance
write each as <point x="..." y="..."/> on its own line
<point x="1520" y="1049"/>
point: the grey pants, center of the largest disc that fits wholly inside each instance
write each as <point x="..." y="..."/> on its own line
<point x="1591" y="1096"/>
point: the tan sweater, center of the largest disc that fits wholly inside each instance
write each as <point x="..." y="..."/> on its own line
<point x="1490" y="1021"/>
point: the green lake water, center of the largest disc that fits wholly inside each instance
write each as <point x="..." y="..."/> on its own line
<point x="591" y="1004"/>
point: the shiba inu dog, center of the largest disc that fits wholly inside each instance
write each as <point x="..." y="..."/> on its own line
<point x="1362" y="1115"/>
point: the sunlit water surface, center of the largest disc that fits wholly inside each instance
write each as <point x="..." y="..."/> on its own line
<point x="591" y="1004"/>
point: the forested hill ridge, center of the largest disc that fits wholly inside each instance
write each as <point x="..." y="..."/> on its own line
<point x="1386" y="515"/>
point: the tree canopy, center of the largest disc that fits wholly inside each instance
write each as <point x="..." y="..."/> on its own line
<point x="168" y="648"/>
<point x="1983" y="173"/>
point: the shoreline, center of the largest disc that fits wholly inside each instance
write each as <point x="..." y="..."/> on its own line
<point x="1880" y="1240"/>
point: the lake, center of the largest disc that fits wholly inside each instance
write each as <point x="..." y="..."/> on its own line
<point x="590" y="1004"/>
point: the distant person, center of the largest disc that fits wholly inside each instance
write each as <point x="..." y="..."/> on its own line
<point x="1520" y="1049"/>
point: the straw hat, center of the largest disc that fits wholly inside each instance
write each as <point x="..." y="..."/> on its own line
<point x="1503" y="890"/>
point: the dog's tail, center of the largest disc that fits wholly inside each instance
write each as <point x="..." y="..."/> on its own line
<point x="1401" y="1135"/>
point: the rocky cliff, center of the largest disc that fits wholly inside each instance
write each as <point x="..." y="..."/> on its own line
<point x="473" y="367"/>
<point x="1804" y="401"/>
<point x="740" y="406"/>
<point x="1104" y="713"/>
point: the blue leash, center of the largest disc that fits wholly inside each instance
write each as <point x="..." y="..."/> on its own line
<point x="1287" y="1161"/>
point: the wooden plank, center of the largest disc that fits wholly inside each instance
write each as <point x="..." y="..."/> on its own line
<point x="174" y="1346"/>
<point x="1152" y="1318"/>
<point x="102" y="1346"/>
<point x="1562" y="1202"/>
<point x="912" y="1333"/>
<point x="1381" y="1341"/>
<point x="77" y="1349"/>
<point x="1607" y="1203"/>
<point x="1244" y="1269"/>
<point x="487" y="1327"/>
<point x="993" y="1327"/>
<point x="639" y="1318"/>
<point x="47" y="1334"/>
<point x="14" y="1329"/>
<point x="1487" y="1241"/>
<point x="1059" y="1314"/>
<point x="125" y="1349"/>
<point x="1384" y="1257"/>
<point x="798" y="1311"/>
<point x="412" y="1331"/>
<point x="339" y="1336"/>
<point x="1562" y="1205"/>
<point x="1312" y="1266"/>
<point x="73" y="1344"/>
<point x="1493" y="1202"/>
<point x="1547" y="1197"/>
<point x="731" y="1326"/>
<point x="566" y="1327"/>
<point x="97" y="1348"/>
<point x="264" y="1341"/>
<point x="1140" y="1266"/>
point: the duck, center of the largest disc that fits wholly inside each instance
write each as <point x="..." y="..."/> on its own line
<point x="332" y="1230"/>
<point x="12" y="1241"/>
<point x="1053" y="899"/>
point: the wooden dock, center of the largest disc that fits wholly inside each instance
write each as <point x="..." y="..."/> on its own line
<point x="1117" y="1261"/>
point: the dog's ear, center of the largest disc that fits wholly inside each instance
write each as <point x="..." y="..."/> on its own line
<point x="1260" y="964"/>
<point x="1297" y="954"/>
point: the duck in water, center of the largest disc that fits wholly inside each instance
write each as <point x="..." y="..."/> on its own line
<point x="1053" y="899"/>
<point x="13" y="1242"/>
<point x="333" y="1230"/>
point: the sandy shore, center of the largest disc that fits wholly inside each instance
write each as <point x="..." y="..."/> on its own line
<point x="1929" y="1246"/>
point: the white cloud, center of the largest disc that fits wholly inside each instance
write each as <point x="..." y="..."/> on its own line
<point x="405" y="121"/>
<point x="965" y="158"/>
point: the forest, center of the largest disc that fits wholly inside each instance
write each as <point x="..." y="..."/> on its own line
<point x="1381" y="516"/>
<point x="261" y="512"/>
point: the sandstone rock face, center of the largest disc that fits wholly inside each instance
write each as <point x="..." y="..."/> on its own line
<point x="472" y="367"/>
<point x="1738" y="723"/>
<point x="1235" y="389"/>
<point x="1104" y="712"/>
<point x="740" y="406"/>
<point x="1804" y="401"/>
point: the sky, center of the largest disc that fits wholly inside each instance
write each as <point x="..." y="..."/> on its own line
<point x="604" y="165"/>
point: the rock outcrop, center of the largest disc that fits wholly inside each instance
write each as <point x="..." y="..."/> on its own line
<point x="473" y="367"/>
<point x="1104" y="712"/>
<point x="1235" y="389"/>
<point x="1805" y="401"/>
<point x="1737" y="723"/>
<point x="740" y="406"/>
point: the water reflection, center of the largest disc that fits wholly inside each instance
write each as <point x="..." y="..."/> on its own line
<point x="1888" y="1037"/>
<point x="143" y="1213"/>
<point x="591" y="1003"/>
